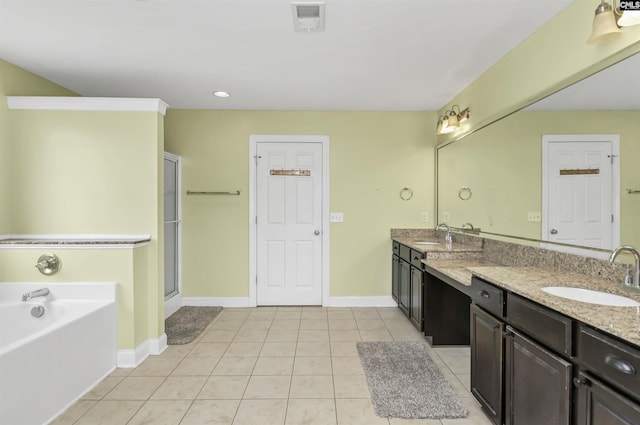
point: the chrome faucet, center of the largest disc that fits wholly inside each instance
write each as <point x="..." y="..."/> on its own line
<point x="465" y="225"/>
<point x="43" y="292"/>
<point x="447" y="237"/>
<point x="631" y="280"/>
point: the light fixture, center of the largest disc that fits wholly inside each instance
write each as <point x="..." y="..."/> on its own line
<point x="450" y="121"/>
<point x="221" y="93"/>
<point x="604" y="24"/>
<point x="627" y="12"/>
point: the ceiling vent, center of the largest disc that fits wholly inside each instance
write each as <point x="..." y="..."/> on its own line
<point x="308" y="16"/>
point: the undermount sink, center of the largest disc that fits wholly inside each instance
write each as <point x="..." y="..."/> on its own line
<point x="589" y="296"/>
<point x="426" y="243"/>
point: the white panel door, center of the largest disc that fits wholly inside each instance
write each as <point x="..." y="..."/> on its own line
<point x="289" y="223"/>
<point x="580" y="207"/>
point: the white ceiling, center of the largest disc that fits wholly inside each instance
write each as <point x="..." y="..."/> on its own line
<point x="411" y="55"/>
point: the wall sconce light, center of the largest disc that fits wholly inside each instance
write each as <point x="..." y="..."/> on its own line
<point x="450" y="121"/>
<point x="608" y="20"/>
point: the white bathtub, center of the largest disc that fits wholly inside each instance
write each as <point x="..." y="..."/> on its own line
<point x="47" y="363"/>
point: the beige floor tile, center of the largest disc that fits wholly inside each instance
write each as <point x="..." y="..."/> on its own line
<point x="226" y="324"/>
<point x="282" y="335"/>
<point x="342" y="324"/>
<point x="314" y="315"/>
<point x="250" y="335"/>
<point x="312" y="366"/>
<point x="365" y="313"/>
<point x="347" y="366"/>
<point x="357" y="412"/>
<point x="176" y="351"/>
<point x="219" y="335"/>
<point x="235" y="366"/>
<point x="208" y="349"/>
<point x="317" y="386"/>
<point x="224" y="388"/>
<point x="476" y="416"/>
<point x="465" y="381"/>
<point x="340" y="314"/>
<point x="313" y="349"/>
<point x="398" y="421"/>
<point x="262" y="412"/>
<point x="156" y="366"/>
<point x="285" y="324"/>
<point x="290" y="308"/>
<point x="272" y="366"/>
<point x="408" y="335"/>
<point x="124" y="371"/>
<point x="390" y="313"/>
<point x="100" y="390"/>
<point x="376" y="335"/>
<point x="278" y="349"/>
<point x="288" y="315"/>
<point x="211" y="412"/>
<point x="267" y="387"/>
<point x="458" y="364"/>
<point x="243" y="349"/>
<point x="135" y="388"/>
<point x="347" y="348"/>
<point x="313" y="335"/>
<point x="72" y="414"/>
<point x="166" y="412"/>
<point x="351" y="386"/>
<point x="257" y="324"/>
<point x="196" y="366"/>
<point x="341" y="335"/>
<point x="261" y="315"/>
<point x="110" y="412"/>
<point x="230" y="314"/>
<point x="179" y="388"/>
<point x="317" y="324"/>
<point x="371" y="324"/>
<point x="311" y="412"/>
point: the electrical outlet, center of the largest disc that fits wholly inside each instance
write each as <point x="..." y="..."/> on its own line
<point x="446" y="216"/>
<point x="424" y="217"/>
<point x="534" y="216"/>
<point x="336" y="217"/>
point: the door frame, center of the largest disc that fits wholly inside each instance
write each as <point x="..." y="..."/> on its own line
<point x="547" y="139"/>
<point x="174" y="303"/>
<point x="254" y="139"/>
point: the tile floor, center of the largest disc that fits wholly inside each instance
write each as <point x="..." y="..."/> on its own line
<point x="266" y="366"/>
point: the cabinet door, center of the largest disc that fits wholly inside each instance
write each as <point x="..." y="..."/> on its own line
<point x="404" y="287"/>
<point x="598" y="404"/>
<point x="395" y="278"/>
<point x="415" y="313"/>
<point x="487" y="348"/>
<point x="537" y="383"/>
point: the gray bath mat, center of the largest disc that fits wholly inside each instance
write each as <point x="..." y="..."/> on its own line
<point x="405" y="383"/>
<point x="187" y="323"/>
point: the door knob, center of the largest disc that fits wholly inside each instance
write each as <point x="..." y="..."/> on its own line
<point x="317" y="232"/>
<point x="553" y="231"/>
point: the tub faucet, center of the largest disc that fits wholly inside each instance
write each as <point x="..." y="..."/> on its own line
<point x="447" y="237"/>
<point x="630" y="280"/>
<point x="42" y="292"/>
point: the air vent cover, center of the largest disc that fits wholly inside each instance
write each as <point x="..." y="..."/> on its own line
<point x="308" y="16"/>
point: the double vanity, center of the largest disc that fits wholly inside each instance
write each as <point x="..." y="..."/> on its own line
<point x="537" y="357"/>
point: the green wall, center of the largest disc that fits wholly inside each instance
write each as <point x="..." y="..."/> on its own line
<point x="373" y="155"/>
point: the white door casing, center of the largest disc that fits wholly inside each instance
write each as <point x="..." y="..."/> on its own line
<point x="581" y="209"/>
<point x="172" y="234"/>
<point x="289" y="221"/>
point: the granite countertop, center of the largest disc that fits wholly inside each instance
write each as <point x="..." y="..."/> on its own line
<point x="16" y="241"/>
<point x="441" y="247"/>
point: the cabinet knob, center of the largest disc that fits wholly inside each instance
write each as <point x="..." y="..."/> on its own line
<point x="485" y="294"/>
<point x="578" y="382"/>
<point x="621" y="365"/>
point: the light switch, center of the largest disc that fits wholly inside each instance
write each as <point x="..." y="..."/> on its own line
<point x="424" y="217"/>
<point x="336" y="217"/>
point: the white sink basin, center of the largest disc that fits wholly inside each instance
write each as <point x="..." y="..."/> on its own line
<point x="426" y="243"/>
<point x="589" y="296"/>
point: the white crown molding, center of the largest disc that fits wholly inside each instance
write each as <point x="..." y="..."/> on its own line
<point x="70" y="103"/>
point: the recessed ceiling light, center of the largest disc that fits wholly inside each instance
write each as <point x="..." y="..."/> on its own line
<point x="220" y="93"/>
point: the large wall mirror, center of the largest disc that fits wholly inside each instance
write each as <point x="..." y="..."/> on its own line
<point x="560" y="170"/>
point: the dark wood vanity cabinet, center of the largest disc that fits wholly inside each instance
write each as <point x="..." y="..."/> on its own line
<point x="407" y="282"/>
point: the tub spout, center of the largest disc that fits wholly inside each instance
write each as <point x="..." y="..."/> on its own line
<point x="42" y="292"/>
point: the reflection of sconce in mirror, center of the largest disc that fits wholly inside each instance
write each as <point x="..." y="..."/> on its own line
<point x="608" y="20"/>
<point x="451" y="120"/>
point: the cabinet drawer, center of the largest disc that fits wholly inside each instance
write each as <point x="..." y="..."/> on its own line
<point x="416" y="259"/>
<point x="487" y="296"/>
<point x="610" y="359"/>
<point x="550" y="328"/>
<point x="396" y="248"/>
<point x="405" y="253"/>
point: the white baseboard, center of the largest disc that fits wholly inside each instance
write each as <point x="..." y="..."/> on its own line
<point x="217" y="301"/>
<point x="384" y="301"/>
<point x="133" y="357"/>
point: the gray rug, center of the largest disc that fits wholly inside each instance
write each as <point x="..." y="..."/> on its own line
<point x="187" y="323"/>
<point x="405" y="383"/>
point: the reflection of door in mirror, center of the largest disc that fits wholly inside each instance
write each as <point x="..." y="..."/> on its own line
<point x="580" y="179"/>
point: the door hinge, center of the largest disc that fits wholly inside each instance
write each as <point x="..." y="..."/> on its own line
<point x="612" y="218"/>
